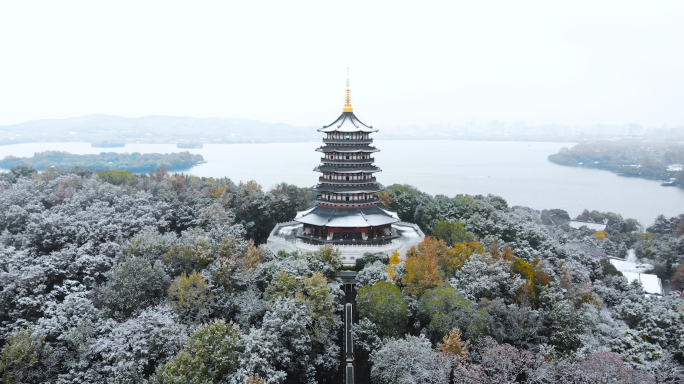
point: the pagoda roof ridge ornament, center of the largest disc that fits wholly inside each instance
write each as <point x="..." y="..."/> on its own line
<point x="347" y="99"/>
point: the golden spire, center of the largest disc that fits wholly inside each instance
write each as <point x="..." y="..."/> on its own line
<point x="347" y="100"/>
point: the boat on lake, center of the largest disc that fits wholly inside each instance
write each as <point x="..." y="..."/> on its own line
<point x="672" y="183"/>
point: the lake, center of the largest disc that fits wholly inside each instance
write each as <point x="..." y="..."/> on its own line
<point x="517" y="171"/>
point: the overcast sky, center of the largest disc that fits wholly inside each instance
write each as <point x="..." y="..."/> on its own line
<point x="416" y="62"/>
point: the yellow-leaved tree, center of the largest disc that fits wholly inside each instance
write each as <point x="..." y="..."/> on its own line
<point x="422" y="268"/>
<point x="453" y="345"/>
<point x="390" y="269"/>
<point x="601" y="235"/>
<point x="433" y="261"/>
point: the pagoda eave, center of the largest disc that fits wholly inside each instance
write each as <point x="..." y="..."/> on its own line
<point x="347" y="217"/>
<point x="347" y="123"/>
<point x="355" y="169"/>
<point x="334" y="189"/>
<point x="343" y="149"/>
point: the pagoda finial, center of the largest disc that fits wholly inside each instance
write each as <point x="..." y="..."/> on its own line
<point x="347" y="103"/>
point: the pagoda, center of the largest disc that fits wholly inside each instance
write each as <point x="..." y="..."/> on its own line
<point x="346" y="210"/>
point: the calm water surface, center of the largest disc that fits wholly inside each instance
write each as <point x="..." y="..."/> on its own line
<point x="517" y="171"/>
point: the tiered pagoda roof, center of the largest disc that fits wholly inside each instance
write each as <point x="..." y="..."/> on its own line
<point x="354" y="217"/>
<point x="373" y="187"/>
<point x="351" y="169"/>
<point x="347" y="122"/>
<point x="347" y="148"/>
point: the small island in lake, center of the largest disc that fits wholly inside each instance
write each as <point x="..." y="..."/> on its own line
<point x="648" y="160"/>
<point x="134" y="162"/>
<point x="189" y="145"/>
<point x="108" y="144"/>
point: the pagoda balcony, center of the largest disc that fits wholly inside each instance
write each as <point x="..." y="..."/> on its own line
<point x="369" y="160"/>
<point x="349" y="141"/>
<point x="338" y="182"/>
<point x="317" y="240"/>
<point x="349" y="203"/>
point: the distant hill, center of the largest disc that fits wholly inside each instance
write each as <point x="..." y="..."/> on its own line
<point x="154" y="129"/>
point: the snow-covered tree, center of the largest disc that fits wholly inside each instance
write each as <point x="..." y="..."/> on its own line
<point x="410" y="360"/>
<point x="371" y="274"/>
<point x="133" y="285"/>
<point x="485" y="277"/>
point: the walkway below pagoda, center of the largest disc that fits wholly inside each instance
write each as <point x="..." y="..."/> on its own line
<point x="350" y="317"/>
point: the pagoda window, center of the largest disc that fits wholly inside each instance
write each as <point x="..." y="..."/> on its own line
<point x="347" y="178"/>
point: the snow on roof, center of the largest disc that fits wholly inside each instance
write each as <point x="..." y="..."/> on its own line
<point x="577" y="224"/>
<point x="347" y="217"/>
<point x="651" y="283"/>
<point x="303" y="213"/>
<point x="393" y="214"/>
<point x="626" y="266"/>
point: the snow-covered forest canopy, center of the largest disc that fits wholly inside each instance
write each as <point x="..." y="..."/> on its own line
<point x="115" y="278"/>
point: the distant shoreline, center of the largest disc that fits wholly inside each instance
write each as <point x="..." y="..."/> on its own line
<point x="132" y="162"/>
<point x="428" y="138"/>
<point x="637" y="159"/>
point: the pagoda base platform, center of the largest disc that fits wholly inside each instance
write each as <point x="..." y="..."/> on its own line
<point x="288" y="237"/>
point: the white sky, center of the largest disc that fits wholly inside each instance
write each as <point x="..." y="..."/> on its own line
<point x="417" y="62"/>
